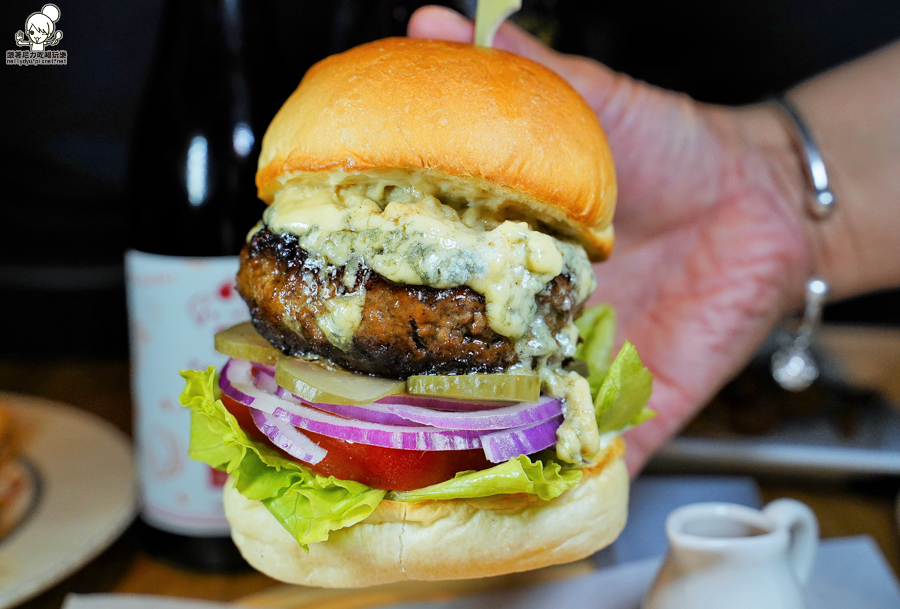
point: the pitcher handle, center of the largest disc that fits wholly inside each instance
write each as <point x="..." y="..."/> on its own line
<point x="803" y="528"/>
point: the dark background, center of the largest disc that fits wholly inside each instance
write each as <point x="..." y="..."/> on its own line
<point x="64" y="206"/>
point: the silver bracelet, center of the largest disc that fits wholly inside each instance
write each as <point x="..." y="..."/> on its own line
<point x="793" y="365"/>
<point x="824" y="201"/>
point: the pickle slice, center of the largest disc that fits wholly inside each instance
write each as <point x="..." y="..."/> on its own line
<point x="506" y="387"/>
<point x="317" y="384"/>
<point x="243" y="342"/>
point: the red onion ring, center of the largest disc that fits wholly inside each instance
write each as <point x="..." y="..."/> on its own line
<point x="287" y="438"/>
<point x="388" y="436"/>
<point x="237" y="382"/>
<point x="500" y="447"/>
<point x="369" y="413"/>
<point x="435" y="403"/>
<point x="393" y="412"/>
<point x="233" y="383"/>
<point x="524" y="413"/>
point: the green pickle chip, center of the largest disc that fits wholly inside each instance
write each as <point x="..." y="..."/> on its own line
<point x="244" y="342"/>
<point x="505" y="387"/>
<point x="317" y="384"/>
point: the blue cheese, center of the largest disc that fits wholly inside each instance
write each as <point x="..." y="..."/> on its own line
<point x="341" y="318"/>
<point x="577" y="438"/>
<point x="412" y="238"/>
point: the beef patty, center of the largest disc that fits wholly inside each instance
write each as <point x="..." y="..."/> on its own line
<point x="405" y="329"/>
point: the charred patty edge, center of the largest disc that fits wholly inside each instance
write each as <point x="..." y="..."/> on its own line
<point x="404" y="329"/>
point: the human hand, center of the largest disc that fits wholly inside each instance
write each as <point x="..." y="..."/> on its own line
<point x="710" y="247"/>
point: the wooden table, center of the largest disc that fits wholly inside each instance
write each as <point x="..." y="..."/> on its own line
<point x="870" y="356"/>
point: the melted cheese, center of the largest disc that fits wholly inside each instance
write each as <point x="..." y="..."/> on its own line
<point x="412" y="238"/>
<point x="341" y="318"/>
<point x="577" y="438"/>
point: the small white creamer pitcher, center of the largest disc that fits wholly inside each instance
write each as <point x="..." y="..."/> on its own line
<point x="727" y="556"/>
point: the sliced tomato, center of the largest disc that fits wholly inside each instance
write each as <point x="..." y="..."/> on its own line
<point x="385" y="468"/>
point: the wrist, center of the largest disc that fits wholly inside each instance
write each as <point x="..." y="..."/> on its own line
<point x="794" y="149"/>
<point x="768" y="136"/>
<point x="823" y="202"/>
<point x="853" y="112"/>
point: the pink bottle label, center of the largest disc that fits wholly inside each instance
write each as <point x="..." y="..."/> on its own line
<point x="175" y="307"/>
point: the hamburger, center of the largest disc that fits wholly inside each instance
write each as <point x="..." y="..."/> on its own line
<point x="422" y="393"/>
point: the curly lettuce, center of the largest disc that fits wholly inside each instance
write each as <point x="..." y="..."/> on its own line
<point x="310" y="506"/>
<point x="621" y="387"/>
<point x="518" y="475"/>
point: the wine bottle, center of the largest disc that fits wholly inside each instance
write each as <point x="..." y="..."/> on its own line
<point x="192" y="190"/>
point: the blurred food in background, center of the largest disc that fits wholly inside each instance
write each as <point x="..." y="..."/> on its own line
<point x="18" y="485"/>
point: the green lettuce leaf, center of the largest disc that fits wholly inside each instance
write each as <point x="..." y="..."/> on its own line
<point x="644" y="415"/>
<point x="518" y="475"/>
<point x="597" y="328"/>
<point x="309" y="506"/>
<point x="622" y="398"/>
<point x="620" y="388"/>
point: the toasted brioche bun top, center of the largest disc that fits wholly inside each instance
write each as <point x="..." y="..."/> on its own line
<point x="474" y="123"/>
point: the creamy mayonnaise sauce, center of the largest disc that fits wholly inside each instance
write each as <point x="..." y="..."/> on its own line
<point x="410" y="237"/>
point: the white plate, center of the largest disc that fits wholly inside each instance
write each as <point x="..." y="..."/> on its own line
<point x="811" y="446"/>
<point x="87" y="495"/>
<point x="814" y="445"/>
<point x="758" y="456"/>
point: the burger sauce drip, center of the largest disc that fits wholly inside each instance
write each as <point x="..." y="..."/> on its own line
<point x="577" y="439"/>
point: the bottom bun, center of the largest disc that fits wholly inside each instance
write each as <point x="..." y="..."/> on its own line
<point x="431" y="540"/>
